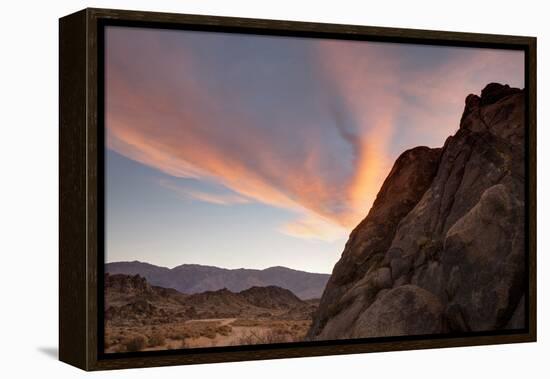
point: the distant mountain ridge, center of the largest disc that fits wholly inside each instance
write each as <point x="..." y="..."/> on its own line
<point x="194" y="278"/>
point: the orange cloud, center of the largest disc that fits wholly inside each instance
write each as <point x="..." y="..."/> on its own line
<point x="365" y="79"/>
<point x="312" y="226"/>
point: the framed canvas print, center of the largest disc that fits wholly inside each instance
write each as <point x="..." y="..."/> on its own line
<point x="236" y="189"/>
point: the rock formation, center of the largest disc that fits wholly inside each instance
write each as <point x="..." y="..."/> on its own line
<point x="131" y="299"/>
<point x="442" y="248"/>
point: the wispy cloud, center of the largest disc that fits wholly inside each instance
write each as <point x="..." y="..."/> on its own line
<point x="314" y="227"/>
<point x="207" y="197"/>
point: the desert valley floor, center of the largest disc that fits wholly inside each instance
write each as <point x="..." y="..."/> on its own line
<point x="141" y="317"/>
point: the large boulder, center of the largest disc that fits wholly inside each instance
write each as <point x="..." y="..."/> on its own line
<point x="409" y="178"/>
<point x="405" y="310"/>
<point x="442" y="248"/>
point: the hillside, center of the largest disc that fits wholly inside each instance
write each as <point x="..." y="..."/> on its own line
<point x="124" y="293"/>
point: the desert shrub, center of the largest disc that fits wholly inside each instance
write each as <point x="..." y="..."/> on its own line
<point x="225" y="330"/>
<point x="156" y="339"/>
<point x="277" y="333"/>
<point x="277" y="336"/>
<point x="113" y="337"/>
<point x="209" y="332"/>
<point x="183" y="344"/>
<point x="134" y="343"/>
<point x="181" y="338"/>
<point x="182" y="334"/>
<point x="248" y="339"/>
<point x="109" y="341"/>
<point x="269" y="337"/>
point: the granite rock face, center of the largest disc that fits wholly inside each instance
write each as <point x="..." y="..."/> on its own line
<point x="442" y="249"/>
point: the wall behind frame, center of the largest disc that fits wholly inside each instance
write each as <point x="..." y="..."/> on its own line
<point x="29" y="192"/>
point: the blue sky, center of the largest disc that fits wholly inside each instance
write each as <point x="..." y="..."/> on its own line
<point x="149" y="222"/>
<point x="255" y="151"/>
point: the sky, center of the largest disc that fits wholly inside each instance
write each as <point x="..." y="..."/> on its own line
<point x="238" y="150"/>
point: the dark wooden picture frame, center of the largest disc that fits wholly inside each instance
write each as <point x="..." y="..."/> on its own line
<point x="81" y="183"/>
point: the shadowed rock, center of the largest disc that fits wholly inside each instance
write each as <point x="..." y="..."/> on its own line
<point x="409" y="178"/>
<point x="442" y="248"/>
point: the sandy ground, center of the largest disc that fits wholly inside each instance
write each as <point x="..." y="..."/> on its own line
<point x="238" y="333"/>
<point x="208" y="333"/>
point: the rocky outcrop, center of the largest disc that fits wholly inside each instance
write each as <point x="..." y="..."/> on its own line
<point x="271" y="297"/>
<point x="129" y="285"/>
<point x="442" y="249"/>
<point x="131" y="300"/>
